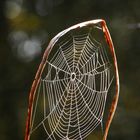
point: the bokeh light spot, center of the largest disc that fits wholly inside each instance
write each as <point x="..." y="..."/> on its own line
<point x="29" y="49"/>
<point x="12" y="9"/>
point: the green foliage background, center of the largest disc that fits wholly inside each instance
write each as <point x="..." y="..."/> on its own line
<point x="37" y="21"/>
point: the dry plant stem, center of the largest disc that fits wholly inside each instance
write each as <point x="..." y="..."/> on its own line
<point x="43" y="63"/>
<point x="116" y="96"/>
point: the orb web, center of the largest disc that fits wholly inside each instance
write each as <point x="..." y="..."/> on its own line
<point x="74" y="88"/>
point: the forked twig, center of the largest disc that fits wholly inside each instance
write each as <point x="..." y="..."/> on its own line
<point x="43" y="64"/>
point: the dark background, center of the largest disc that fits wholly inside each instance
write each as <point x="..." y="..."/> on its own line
<point x="26" y="26"/>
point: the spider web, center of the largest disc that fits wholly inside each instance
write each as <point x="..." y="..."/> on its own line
<point x="74" y="88"/>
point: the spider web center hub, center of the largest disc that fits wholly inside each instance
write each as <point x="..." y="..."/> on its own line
<point x="73" y="76"/>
